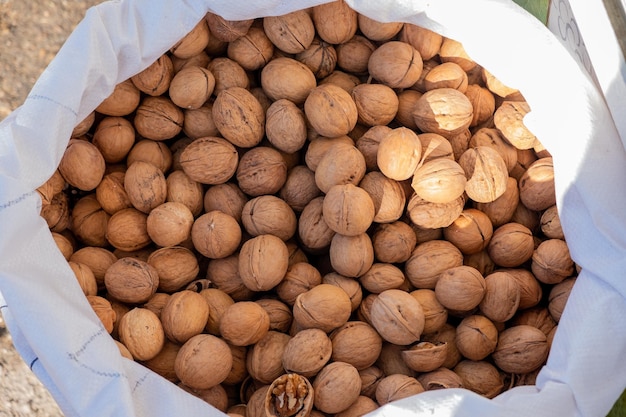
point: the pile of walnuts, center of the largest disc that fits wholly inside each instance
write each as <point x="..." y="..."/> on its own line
<point x="315" y="214"/>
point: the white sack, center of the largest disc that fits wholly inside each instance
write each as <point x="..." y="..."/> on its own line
<point x="56" y="332"/>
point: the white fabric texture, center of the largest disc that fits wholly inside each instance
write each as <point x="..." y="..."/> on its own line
<point x="56" y="332"/>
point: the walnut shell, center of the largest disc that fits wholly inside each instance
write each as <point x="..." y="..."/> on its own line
<point x="191" y="87"/>
<point x="536" y="185"/>
<point x="169" y="224"/>
<point x="210" y="160"/>
<point x="114" y="137"/>
<point x="481" y="377"/>
<point x="398" y="317"/>
<point x="521" y="349"/>
<point x="435" y="314"/>
<point x="428" y="215"/>
<point x="184" y="315"/>
<point x="285" y="126"/>
<point x="502" y="297"/>
<point x="509" y="120"/>
<point x="155" y="79"/>
<point x="131" y="280"/>
<point x="486" y="173"/>
<point x="193" y="42"/>
<point x="319" y="146"/>
<point x="511" y="245"/>
<point x="102" y="307"/>
<point x="348" y="209"/>
<point x="360" y="407"/>
<point x="263" y="262"/>
<point x="378" y="31"/>
<point x="111" y="193"/>
<point x="227" y="198"/>
<point x="239" y="117"/>
<point x="218" y="301"/>
<point x="381" y="277"/>
<point x="483" y="103"/>
<point x="158" y="118"/>
<point x="140" y="330"/>
<point x="429" y="260"/>
<point x="182" y="189"/>
<point x="252" y="50"/>
<point x="122" y="101"/>
<point x="288" y="395"/>
<point x="299" y="188"/>
<point x="88" y="221"/>
<point x="342" y="79"/>
<point x="287" y="78"/>
<point x="353" y="55"/>
<point x="399" y="153"/>
<point x="330" y="110"/>
<point x="261" y="170"/>
<point x="476" y="337"/>
<point x="446" y="75"/>
<point x="502" y="209"/>
<point x="244" y="323"/>
<point x="425" y="356"/>
<point x="351" y="256"/>
<point x="531" y="291"/>
<point x="395" y="64"/>
<point x="313" y="231"/>
<point x="342" y="164"/>
<point x="127" y="230"/>
<point x="558" y="296"/>
<point x="227" y="30"/>
<point x="376" y="104"/>
<point x="356" y="343"/>
<point x="82" y="165"/>
<point x="216" y="234"/>
<point x="320" y="57"/>
<point x="336" y="387"/>
<point x="200" y="353"/>
<point x="445" y="111"/>
<point x="156" y="153"/>
<point x="324" y="306"/>
<point x="300" y="277"/>
<point x="281" y="317"/>
<point x="198" y="123"/>
<point x="406" y="103"/>
<point x="264" y="359"/>
<point x="470" y="232"/>
<point x="395" y="387"/>
<point x="439" y="180"/>
<point x="453" y="51"/>
<point x="461" y="288"/>
<point x="268" y="214"/>
<point x="335" y="22"/>
<point x="227" y="73"/>
<point x="292" y="32"/>
<point x="551" y="261"/>
<point x="97" y="259"/>
<point x="551" y="223"/>
<point x="440" y="379"/>
<point x="307" y="352"/>
<point x="145" y="186"/>
<point x="393" y="242"/>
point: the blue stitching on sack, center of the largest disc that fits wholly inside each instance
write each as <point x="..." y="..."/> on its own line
<point x="39" y="97"/>
<point x="74" y="356"/>
<point x="140" y="382"/>
<point x="32" y="363"/>
<point x="16" y="201"/>
<point x="4" y="306"/>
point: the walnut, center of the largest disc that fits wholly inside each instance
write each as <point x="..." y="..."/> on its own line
<point x="289" y="395"/>
<point x="395" y="64"/>
<point x="398" y="317"/>
<point x="292" y="32"/>
<point x="200" y="353"/>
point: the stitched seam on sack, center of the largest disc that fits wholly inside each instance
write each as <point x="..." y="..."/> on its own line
<point x="32" y="363"/>
<point x="16" y="201"/>
<point x="140" y="382"/>
<point x="74" y="356"/>
<point x="39" y="97"/>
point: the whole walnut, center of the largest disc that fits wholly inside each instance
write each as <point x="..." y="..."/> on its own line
<point x="398" y="317"/>
<point x="336" y="387"/>
<point x="280" y="314"/>
<point x="88" y="221"/>
<point x="559" y="294"/>
<point x="502" y="209"/>
<point x="287" y="78"/>
<point x="227" y="198"/>
<point x="393" y="242"/>
<point x="97" y="259"/>
<point x="313" y="232"/>
<point x="435" y="314"/>
<point x="335" y="22"/>
<point x="140" y="330"/>
<point x="461" y="288"/>
<point x="536" y="185"/>
<point x="330" y="110"/>
<point x="191" y="87"/>
<point x="261" y="170"/>
<point x="122" y="101"/>
<point x="511" y="245"/>
<point x="476" y="337"/>
<point x="169" y="224"/>
<point x="351" y="256"/>
<point x="184" y="315"/>
<point x="521" y="349"/>
<point x="324" y="306"/>
<point x="200" y="353"/>
<point x="216" y="234"/>
<point x="292" y="32"/>
<point x="320" y="57"/>
<point x="486" y="173"/>
<point x="395" y="64"/>
<point x="356" y="343"/>
<point x="263" y="262"/>
<point x="307" y="352"/>
<point x="176" y="266"/>
<point x="268" y="214"/>
<point x="244" y="323"/>
<point x="209" y="160"/>
<point x="377" y="104"/>
<point x="264" y="358"/>
<point x="227" y="30"/>
<point x="131" y="280"/>
<point x="395" y="387"/>
<point x="342" y="164"/>
<point x="481" y="377"/>
<point x="239" y="117"/>
<point x="353" y="55"/>
<point x="299" y="278"/>
<point x="111" y="193"/>
<point x="82" y="165"/>
<point x="382" y="276"/>
<point x="551" y="261"/>
<point x="114" y="137"/>
<point x="182" y="189"/>
<point x="399" y="153"/>
<point x="470" y="232"/>
<point x="102" y="307"/>
<point x="433" y="216"/>
<point x="348" y="209"/>
<point x="218" y="301"/>
<point x="429" y="260"/>
<point x="252" y="50"/>
<point x="193" y="43"/>
<point x="445" y="111"/>
<point x="349" y="285"/>
<point x="228" y="73"/>
<point x="439" y="181"/>
<point x="425" y="356"/>
<point x="155" y="79"/>
<point x="285" y="126"/>
<point x="153" y="152"/>
<point x="85" y="277"/>
<point x="299" y="188"/>
<point x="502" y="296"/>
<point x="158" y="118"/>
<point x="145" y="186"/>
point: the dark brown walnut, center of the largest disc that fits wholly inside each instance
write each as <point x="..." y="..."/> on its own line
<point x="158" y="118"/>
<point x="476" y="337"/>
<point x="292" y="32"/>
<point x="351" y="256"/>
<point x="307" y="352"/>
<point x="263" y="262"/>
<point x="155" y="79"/>
<point x="320" y="57"/>
<point x="227" y="30"/>
<point x="82" y="165"/>
<point x="287" y="78"/>
<point x="470" y="232"/>
<point x="261" y="170"/>
<point x="395" y="64"/>
<point x="239" y="117"/>
<point x="335" y="22"/>
<point x="481" y="377"/>
<point x="394" y="387"/>
<point x="460" y="289"/>
<point x="289" y="395"/>
<point x="429" y="260"/>
<point x="398" y="317"/>
<point x="521" y="349"/>
<point x="393" y="242"/>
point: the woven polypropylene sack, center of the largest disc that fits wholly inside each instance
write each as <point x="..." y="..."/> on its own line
<point x="57" y="333"/>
